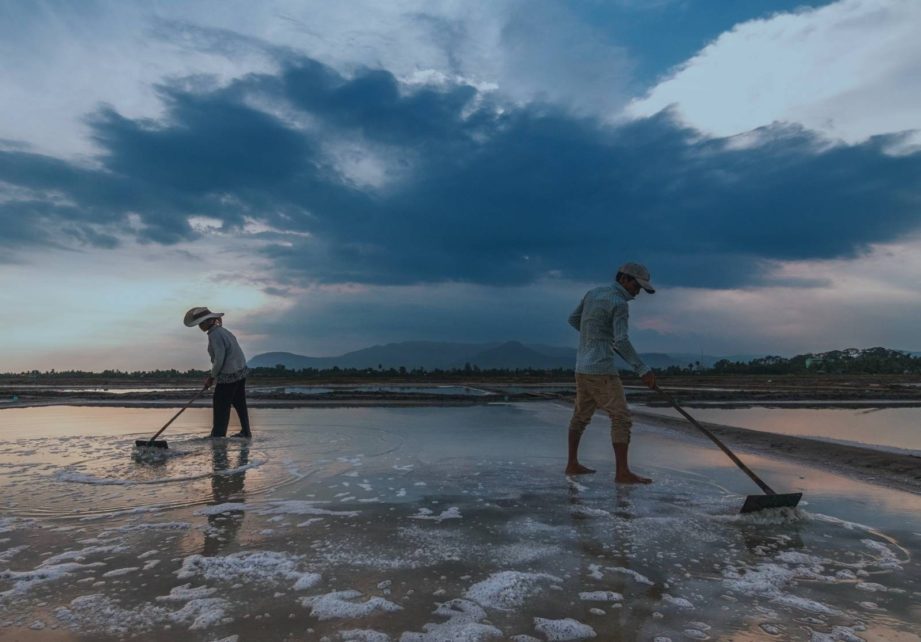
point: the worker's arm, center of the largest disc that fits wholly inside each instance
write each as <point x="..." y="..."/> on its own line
<point x="575" y="319"/>
<point x="622" y="344"/>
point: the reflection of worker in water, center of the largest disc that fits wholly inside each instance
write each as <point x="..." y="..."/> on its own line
<point x="228" y="369"/>
<point x="601" y="319"/>
<point x="225" y="487"/>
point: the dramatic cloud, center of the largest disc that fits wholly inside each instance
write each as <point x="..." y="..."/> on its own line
<point x="847" y="70"/>
<point x="468" y="189"/>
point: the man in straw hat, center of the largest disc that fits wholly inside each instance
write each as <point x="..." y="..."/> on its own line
<point x="228" y="369"/>
<point x="601" y="320"/>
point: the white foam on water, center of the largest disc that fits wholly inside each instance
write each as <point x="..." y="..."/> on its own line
<point x="887" y="558"/>
<point x="464" y="624"/>
<point x="8" y="524"/>
<point x="363" y="635"/>
<point x="75" y="477"/>
<point x="768" y="580"/>
<point x="642" y="579"/>
<point x="185" y="592"/>
<point x="218" y="509"/>
<point x="118" y="572"/>
<point x="149" y="526"/>
<point x="25" y="581"/>
<point x="838" y="634"/>
<point x="425" y="513"/>
<point x="521" y="552"/>
<point x="10" y="553"/>
<point x="586" y="512"/>
<point x="263" y="567"/>
<point x="100" y="613"/>
<point x="565" y="629"/>
<point x="680" y="602"/>
<point x="601" y="596"/>
<point x="872" y="587"/>
<point x="302" y="507"/>
<point x="120" y="513"/>
<point x="345" y="605"/>
<point x="508" y="590"/>
<point x="83" y="553"/>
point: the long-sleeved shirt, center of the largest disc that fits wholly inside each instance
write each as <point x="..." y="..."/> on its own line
<point x="601" y="320"/>
<point x="227" y="361"/>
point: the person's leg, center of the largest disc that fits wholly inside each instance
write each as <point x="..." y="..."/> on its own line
<point x="239" y="404"/>
<point x="615" y="404"/>
<point x="581" y="416"/>
<point x="223" y="394"/>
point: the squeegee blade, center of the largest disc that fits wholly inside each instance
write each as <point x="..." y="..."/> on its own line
<point x="145" y="443"/>
<point x="760" y="502"/>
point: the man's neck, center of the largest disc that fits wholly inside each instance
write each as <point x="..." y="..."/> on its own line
<point x="624" y="290"/>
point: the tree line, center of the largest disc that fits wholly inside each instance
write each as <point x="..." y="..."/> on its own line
<point x="869" y="361"/>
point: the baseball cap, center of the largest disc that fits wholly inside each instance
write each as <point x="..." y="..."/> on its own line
<point x="638" y="272"/>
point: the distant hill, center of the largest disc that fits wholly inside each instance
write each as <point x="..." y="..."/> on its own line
<point x="447" y="355"/>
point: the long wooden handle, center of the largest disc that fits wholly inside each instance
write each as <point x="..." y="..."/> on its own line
<point x="181" y="410"/>
<point x="738" y="462"/>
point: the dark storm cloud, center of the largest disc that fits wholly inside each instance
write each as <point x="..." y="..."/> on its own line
<point x="482" y="195"/>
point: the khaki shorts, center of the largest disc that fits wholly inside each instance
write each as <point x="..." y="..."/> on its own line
<point x="602" y="392"/>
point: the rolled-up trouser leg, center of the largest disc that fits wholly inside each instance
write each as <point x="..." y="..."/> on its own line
<point x="221" y="402"/>
<point x="585" y="404"/>
<point x="614" y="402"/>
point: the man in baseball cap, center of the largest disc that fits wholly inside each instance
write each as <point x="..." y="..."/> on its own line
<point x="601" y="319"/>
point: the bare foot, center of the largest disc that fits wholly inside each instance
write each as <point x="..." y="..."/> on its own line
<point x="631" y="478"/>
<point x="578" y="469"/>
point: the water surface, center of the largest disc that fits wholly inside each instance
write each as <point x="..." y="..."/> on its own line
<point x="429" y="524"/>
<point x="881" y="428"/>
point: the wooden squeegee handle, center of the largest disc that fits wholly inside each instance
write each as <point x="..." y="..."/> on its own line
<point x="738" y="462"/>
<point x="181" y="410"/>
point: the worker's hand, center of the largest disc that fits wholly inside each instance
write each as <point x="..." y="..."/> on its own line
<point x="209" y="381"/>
<point x="649" y="379"/>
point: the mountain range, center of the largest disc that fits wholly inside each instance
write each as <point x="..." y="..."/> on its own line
<point x="433" y="355"/>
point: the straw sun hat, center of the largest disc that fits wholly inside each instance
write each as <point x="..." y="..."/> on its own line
<point x="196" y="315"/>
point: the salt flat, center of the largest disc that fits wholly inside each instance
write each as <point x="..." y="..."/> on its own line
<point x="430" y="524"/>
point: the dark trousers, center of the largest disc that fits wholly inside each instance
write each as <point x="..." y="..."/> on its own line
<point x="225" y="396"/>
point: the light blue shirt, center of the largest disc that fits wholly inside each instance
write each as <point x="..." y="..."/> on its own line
<point x="601" y="320"/>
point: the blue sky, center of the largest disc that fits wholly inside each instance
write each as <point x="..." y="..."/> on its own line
<point x="338" y="175"/>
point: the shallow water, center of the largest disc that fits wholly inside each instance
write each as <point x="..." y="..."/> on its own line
<point x="882" y="428"/>
<point x="429" y="523"/>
